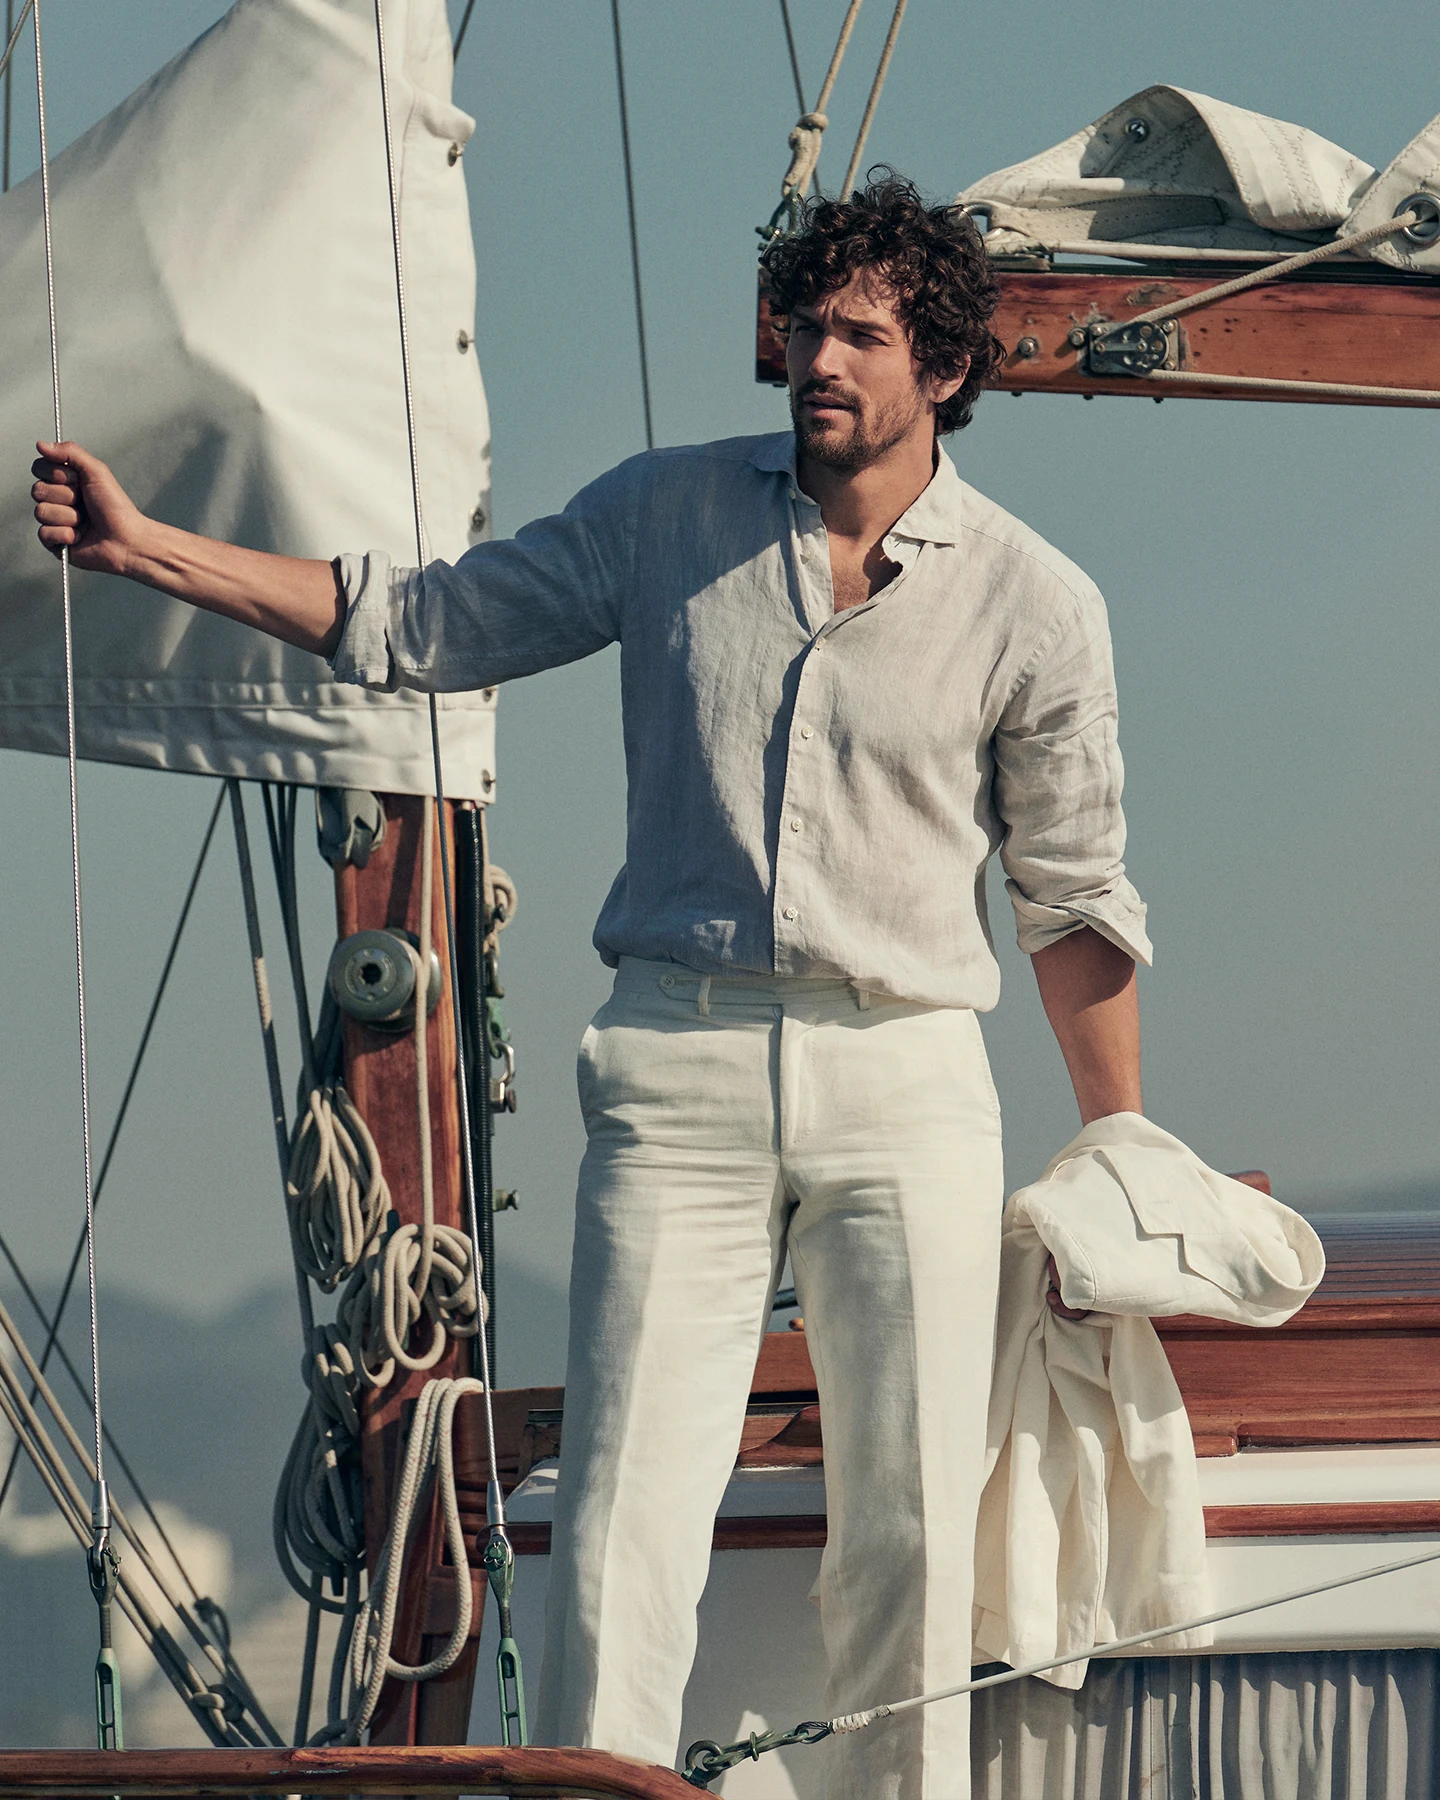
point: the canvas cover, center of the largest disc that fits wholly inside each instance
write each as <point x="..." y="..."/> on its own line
<point x="228" y="342"/>
<point x="1168" y="166"/>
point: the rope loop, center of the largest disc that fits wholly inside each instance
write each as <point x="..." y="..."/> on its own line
<point x="336" y="1196"/>
<point x="384" y="1303"/>
<point x="805" y="140"/>
<point x="429" y="1447"/>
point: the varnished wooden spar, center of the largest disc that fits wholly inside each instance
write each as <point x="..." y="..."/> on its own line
<point x="1365" y="329"/>
<point x="388" y="1769"/>
<point x="380" y="1074"/>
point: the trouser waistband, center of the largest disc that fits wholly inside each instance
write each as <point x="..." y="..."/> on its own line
<point x="747" y="988"/>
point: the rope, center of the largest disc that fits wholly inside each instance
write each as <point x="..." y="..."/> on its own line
<point x="463" y="27"/>
<point x="431" y="1444"/>
<point x="634" y="231"/>
<point x="53" y="1322"/>
<point x="808" y="130"/>
<point x="1321" y="253"/>
<point x="13" y="27"/>
<point x="1335" y="390"/>
<point x="1160" y="252"/>
<point x="790" y="46"/>
<point x="336" y="1195"/>
<point x="705" y="1760"/>
<point x="877" y="87"/>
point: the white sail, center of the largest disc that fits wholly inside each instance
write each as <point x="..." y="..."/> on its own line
<point x="228" y="342"/>
<point x="1168" y="166"/>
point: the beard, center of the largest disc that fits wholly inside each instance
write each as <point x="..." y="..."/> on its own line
<point x="852" y="442"/>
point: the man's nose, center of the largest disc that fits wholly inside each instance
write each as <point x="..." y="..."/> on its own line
<point x="826" y="360"/>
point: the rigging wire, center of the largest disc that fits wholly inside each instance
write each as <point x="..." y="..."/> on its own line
<point x="53" y="1322"/>
<point x="102" y="1564"/>
<point x="877" y="87"/>
<point x="634" y="230"/>
<point x="463" y="27"/>
<point x="794" y="59"/>
<point x="13" y="27"/>
<point x="499" y="1555"/>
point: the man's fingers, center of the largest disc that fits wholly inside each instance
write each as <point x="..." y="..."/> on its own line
<point x="57" y="474"/>
<point x="70" y="452"/>
<point x="57" y="515"/>
<point x="54" y="493"/>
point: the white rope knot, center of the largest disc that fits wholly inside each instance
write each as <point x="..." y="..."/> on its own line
<point x="804" y="141"/>
<point x="385" y="1301"/>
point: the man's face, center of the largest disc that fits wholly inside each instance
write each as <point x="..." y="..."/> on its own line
<point x="855" y="389"/>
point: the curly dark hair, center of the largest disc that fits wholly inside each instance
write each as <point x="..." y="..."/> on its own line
<point x="932" y="259"/>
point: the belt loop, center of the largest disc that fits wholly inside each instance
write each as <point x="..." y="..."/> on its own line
<point x="862" y="996"/>
<point x="702" y="999"/>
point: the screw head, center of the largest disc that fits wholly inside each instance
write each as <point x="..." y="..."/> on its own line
<point x="463" y="341"/>
<point x="454" y="153"/>
<point x="1028" y="347"/>
<point x="1076" y="338"/>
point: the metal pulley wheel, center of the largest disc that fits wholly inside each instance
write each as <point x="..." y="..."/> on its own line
<point x="372" y="976"/>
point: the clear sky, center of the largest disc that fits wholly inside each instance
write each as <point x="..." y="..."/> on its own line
<point x="1270" y="572"/>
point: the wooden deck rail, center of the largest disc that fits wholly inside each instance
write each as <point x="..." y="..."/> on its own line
<point x="375" y="1769"/>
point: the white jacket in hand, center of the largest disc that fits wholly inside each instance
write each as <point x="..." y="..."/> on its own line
<point x="1090" y="1525"/>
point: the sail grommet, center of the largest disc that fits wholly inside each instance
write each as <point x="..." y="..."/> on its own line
<point x="1424" y="228"/>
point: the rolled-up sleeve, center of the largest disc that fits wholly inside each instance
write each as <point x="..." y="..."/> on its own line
<point x="1058" y="780"/>
<point x="547" y="596"/>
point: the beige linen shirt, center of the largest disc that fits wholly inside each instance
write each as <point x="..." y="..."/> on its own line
<point x="810" y="794"/>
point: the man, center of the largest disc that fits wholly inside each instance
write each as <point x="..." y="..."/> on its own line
<point x="848" y="679"/>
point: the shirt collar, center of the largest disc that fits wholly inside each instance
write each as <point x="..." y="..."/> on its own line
<point x="934" y="517"/>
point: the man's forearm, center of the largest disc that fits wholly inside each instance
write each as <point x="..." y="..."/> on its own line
<point x="1087" y="986"/>
<point x="297" y="599"/>
<point x="80" y="507"/>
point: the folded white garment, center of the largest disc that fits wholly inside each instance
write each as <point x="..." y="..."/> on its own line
<point x="1090" y="1524"/>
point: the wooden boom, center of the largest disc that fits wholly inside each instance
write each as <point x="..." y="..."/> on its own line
<point x="387" y="1769"/>
<point x="1355" y="327"/>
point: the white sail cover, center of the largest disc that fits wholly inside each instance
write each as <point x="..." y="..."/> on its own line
<point x="229" y="344"/>
<point x="1171" y="167"/>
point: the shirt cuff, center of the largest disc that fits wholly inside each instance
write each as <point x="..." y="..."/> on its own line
<point x="1117" y="914"/>
<point x="362" y="657"/>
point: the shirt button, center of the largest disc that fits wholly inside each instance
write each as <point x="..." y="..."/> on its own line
<point x="794" y="824"/>
<point x="789" y="913"/>
<point x="807" y="731"/>
<point x="667" y="981"/>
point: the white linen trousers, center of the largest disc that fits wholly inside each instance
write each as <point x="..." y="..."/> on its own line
<point x="731" y="1120"/>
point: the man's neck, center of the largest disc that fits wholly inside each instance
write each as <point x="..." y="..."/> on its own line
<point x="862" y="504"/>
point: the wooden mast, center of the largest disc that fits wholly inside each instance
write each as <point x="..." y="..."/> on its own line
<point x="380" y="1076"/>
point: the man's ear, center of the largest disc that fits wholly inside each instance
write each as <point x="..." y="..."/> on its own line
<point x="940" y="391"/>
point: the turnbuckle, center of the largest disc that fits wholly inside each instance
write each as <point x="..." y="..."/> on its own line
<point x="498" y="1560"/>
<point x="102" y="1566"/>
<point x="705" y="1760"/>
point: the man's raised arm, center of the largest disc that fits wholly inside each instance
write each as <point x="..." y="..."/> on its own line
<point x="80" y="505"/>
